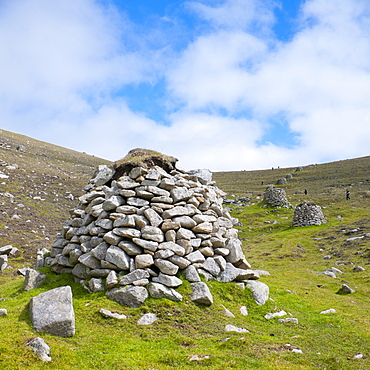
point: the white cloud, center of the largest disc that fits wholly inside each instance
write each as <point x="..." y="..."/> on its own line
<point x="65" y="61"/>
<point x="236" y="14"/>
<point x="320" y="80"/>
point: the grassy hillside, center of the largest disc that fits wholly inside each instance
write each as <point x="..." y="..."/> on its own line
<point x="185" y="329"/>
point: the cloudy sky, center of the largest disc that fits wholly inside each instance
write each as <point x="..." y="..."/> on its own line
<point x="219" y="84"/>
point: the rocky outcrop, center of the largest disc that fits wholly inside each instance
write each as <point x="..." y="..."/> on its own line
<point x="276" y="197"/>
<point x="307" y="214"/>
<point x="145" y="226"/>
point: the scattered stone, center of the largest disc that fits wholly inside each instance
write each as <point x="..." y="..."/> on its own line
<point x="281" y="181"/>
<point x="229" y="327"/>
<point x="3" y="312"/>
<point x="359" y="356"/>
<point x="33" y="279"/>
<point x="297" y="350"/>
<point x="269" y="316"/>
<point x="244" y="311"/>
<point x="345" y="289"/>
<point x="113" y="315"/>
<point x="40" y="347"/>
<point x="334" y="270"/>
<point x="198" y="357"/>
<point x="3" y="262"/>
<point x="147" y="319"/>
<point x="358" y="269"/>
<point x="227" y="312"/>
<point x="52" y="312"/>
<point x="260" y="291"/>
<point x="200" y="293"/>
<point x="330" y="310"/>
<point x="96" y="285"/>
<point x="6" y="249"/>
<point x="289" y="319"/>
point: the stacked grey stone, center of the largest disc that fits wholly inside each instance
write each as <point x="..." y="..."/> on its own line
<point x="133" y="236"/>
<point x="307" y="214"/>
<point x="281" y="181"/>
<point x="276" y="197"/>
<point x="6" y="252"/>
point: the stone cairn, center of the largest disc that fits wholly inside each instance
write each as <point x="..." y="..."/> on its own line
<point x="276" y="197"/>
<point x="142" y="223"/>
<point x="307" y="214"/>
<point x="281" y="181"/>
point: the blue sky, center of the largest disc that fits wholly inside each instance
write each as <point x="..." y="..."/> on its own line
<point x="219" y="84"/>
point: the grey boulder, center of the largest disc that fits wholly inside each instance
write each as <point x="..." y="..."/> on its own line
<point x="132" y="296"/>
<point x="52" y="312"/>
<point x="200" y="293"/>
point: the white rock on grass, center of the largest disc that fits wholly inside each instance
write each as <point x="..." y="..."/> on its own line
<point x="233" y="328"/>
<point x="3" y="312"/>
<point x="110" y="314"/>
<point x="3" y="262"/>
<point x="244" y="311"/>
<point x="289" y="319"/>
<point x="260" y="291"/>
<point x="269" y="316"/>
<point x="329" y="311"/>
<point x="40" y="347"/>
<point x="227" y="312"/>
<point x="147" y="319"/>
<point x="52" y="312"/>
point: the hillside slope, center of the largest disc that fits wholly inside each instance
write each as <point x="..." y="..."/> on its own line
<point x="44" y="185"/>
<point x="38" y="185"/>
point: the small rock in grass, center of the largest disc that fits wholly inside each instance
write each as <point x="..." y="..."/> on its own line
<point x="227" y="312"/>
<point x="330" y="310"/>
<point x="198" y="357"/>
<point x="147" y="319"/>
<point x="3" y="312"/>
<point x="41" y="348"/>
<point x="289" y="319"/>
<point x="358" y="356"/>
<point x="358" y="269"/>
<point x="269" y="316"/>
<point x="345" y="289"/>
<point x="297" y="350"/>
<point x="113" y="315"/>
<point x="244" y="311"/>
<point x="229" y="327"/>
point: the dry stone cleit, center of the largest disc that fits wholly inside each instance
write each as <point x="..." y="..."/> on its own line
<point x="142" y="225"/>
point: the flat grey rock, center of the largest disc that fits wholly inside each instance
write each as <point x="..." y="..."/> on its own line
<point x="112" y="315"/>
<point x="147" y="319"/>
<point x="52" y="312"/>
<point x="158" y="291"/>
<point x="132" y="296"/>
